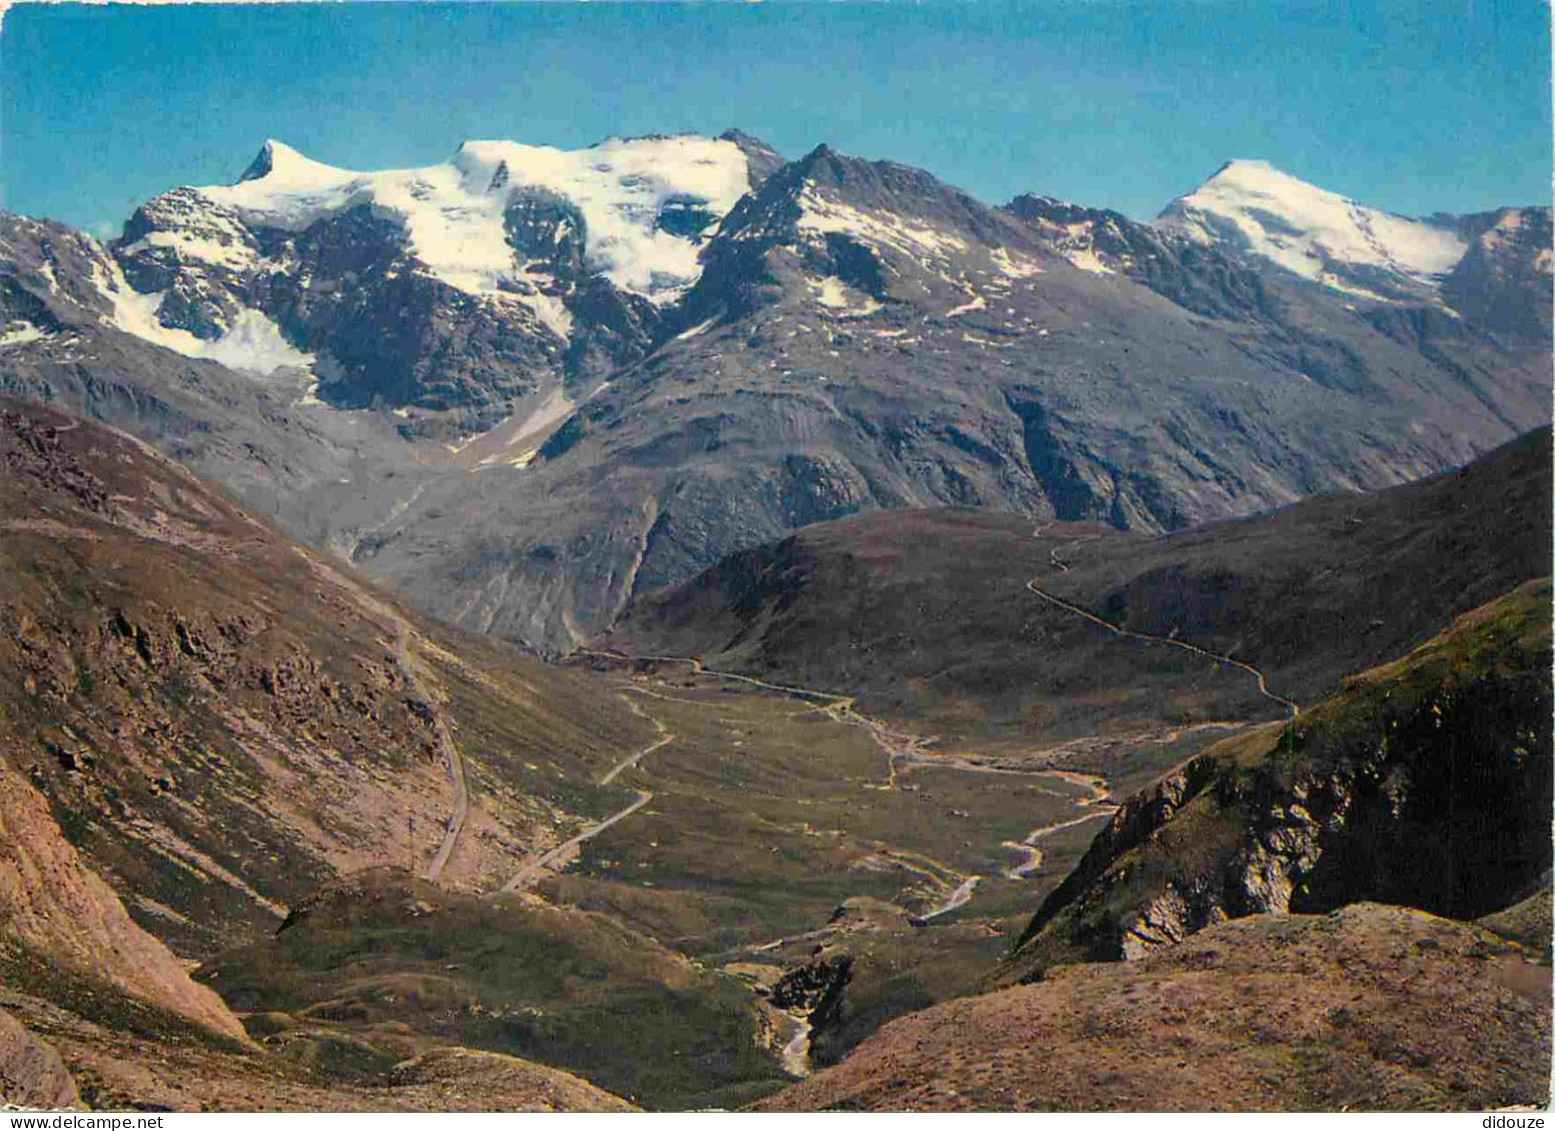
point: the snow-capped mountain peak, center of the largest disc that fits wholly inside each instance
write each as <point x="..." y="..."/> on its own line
<point x="640" y="200"/>
<point x="281" y="163"/>
<point x="523" y="261"/>
<point x="1256" y="208"/>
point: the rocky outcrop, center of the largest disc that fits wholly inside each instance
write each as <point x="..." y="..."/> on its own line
<point x="1367" y="1008"/>
<point x="55" y="909"/>
<point x="1503" y="281"/>
<point x="1198" y="278"/>
<point x="815" y="990"/>
<point x="810" y="986"/>
<point x="32" y="1075"/>
<point x="1423" y="783"/>
<point x="458" y="1079"/>
<point x="221" y="720"/>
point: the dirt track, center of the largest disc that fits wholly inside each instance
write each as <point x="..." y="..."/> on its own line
<point x="531" y="868"/>
<point x="1149" y="638"/>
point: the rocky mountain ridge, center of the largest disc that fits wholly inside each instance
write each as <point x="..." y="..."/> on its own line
<point x="1256" y="209"/>
<point x="526" y="386"/>
<point x="221" y="718"/>
<point x="1424" y="782"/>
<point x="506" y="270"/>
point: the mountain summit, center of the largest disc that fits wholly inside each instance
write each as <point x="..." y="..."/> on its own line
<point x="504" y="271"/>
<point x="1315" y="233"/>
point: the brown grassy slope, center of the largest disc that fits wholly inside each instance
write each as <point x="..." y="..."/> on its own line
<point x="118" y="1070"/>
<point x="61" y="923"/>
<point x="222" y="720"/>
<point x="378" y="957"/>
<point x="1368" y="1008"/>
<point x="1424" y="782"/>
<point x="927" y="612"/>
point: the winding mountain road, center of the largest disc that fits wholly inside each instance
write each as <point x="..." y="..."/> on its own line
<point x="897" y="746"/>
<point x="1150" y="638"/>
<point x="537" y="862"/>
<point x="1029" y="847"/>
<point x="906" y="749"/>
<point x="664" y="739"/>
<point x="424" y="687"/>
<point x="453" y="758"/>
<point x="960" y="897"/>
<point x="530" y="870"/>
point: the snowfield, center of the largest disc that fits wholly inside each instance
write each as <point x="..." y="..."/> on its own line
<point x="252" y="343"/>
<point x="452" y="213"/>
<point x="1308" y="230"/>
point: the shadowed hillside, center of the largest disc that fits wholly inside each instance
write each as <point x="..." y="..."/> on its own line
<point x="932" y="614"/>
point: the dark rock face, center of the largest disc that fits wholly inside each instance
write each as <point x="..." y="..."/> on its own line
<point x="1503" y="282"/>
<point x="812" y="986"/>
<point x="817" y="991"/>
<point x="1202" y="279"/>
<point x="761" y="158"/>
<point x="345" y="288"/>
<point x="1424" y="783"/>
<point x="350" y="286"/>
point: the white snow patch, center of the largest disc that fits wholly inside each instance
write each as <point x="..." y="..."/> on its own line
<point x="976" y="341"/>
<point x="1304" y="228"/>
<point x="1334" y="282"/>
<point x="1014" y="266"/>
<point x="551" y="311"/>
<point x="907" y="236"/>
<point x="1086" y="259"/>
<point x="698" y="329"/>
<point x="21" y="332"/>
<point x="252" y="342"/>
<point x="832" y="293"/>
<point x="255" y="343"/>
<point x="977" y="302"/>
<point x="237" y="256"/>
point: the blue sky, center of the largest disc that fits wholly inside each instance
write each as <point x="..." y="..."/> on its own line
<point x="1414" y="106"/>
